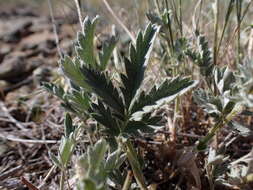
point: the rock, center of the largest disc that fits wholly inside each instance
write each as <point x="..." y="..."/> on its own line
<point x="41" y="24"/>
<point x="17" y="31"/>
<point x="17" y="68"/>
<point x="15" y="95"/>
<point x="3" y="84"/>
<point x="24" y="11"/>
<point x="48" y="44"/>
<point x="44" y="42"/>
<point x="26" y="47"/>
<point x="47" y="48"/>
<point x="36" y="39"/>
<point x="4" y="50"/>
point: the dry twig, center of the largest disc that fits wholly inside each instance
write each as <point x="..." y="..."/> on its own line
<point x="30" y="141"/>
<point x="119" y="21"/>
<point x="11" y="118"/>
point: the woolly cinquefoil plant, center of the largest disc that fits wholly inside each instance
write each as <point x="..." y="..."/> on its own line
<point x="119" y="105"/>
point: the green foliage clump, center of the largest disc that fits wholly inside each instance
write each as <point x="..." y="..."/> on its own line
<point x="122" y="111"/>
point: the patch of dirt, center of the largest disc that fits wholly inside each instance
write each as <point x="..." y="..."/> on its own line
<point x="30" y="119"/>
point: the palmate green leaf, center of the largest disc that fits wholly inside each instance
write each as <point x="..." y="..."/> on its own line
<point x="135" y="128"/>
<point x="88" y="184"/>
<point x="135" y="67"/>
<point x="224" y="79"/>
<point x="211" y="104"/>
<point x="145" y="124"/>
<point x="54" y="89"/>
<point x="85" y="50"/>
<point x="93" y="81"/>
<point x="66" y="149"/>
<point x="71" y="68"/>
<point x="68" y="125"/>
<point x="104" y="88"/>
<point x="104" y="116"/>
<point x="96" y="155"/>
<point x="79" y="100"/>
<point x="205" y="60"/>
<point x="202" y="57"/>
<point x="114" y="160"/>
<point x="106" y="53"/>
<point x="165" y="93"/>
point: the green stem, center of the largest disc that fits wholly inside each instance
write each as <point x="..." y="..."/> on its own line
<point x="62" y="181"/>
<point x="133" y="160"/>
<point x="128" y="181"/>
<point x="204" y="141"/>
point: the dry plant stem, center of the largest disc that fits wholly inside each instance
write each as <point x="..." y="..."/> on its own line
<point x="238" y="14"/>
<point x="170" y="29"/>
<point x="216" y="28"/>
<point x="236" y="29"/>
<point x="181" y="18"/>
<point x="28" y="141"/>
<point x="10" y="172"/>
<point x="250" y="47"/>
<point x="176" y="113"/>
<point x="158" y="7"/>
<point x="177" y="14"/>
<point x="228" y="14"/>
<point x="79" y="12"/>
<point x="119" y="21"/>
<point x="196" y="19"/>
<point x="47" y="176"/>
<point x="128" y="180"/>
<point x="12" y="119"/>
<point x="54" y="28"/>
<point x="181" y="134"/>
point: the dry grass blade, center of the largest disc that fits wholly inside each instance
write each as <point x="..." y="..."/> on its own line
<point x="119" y="21"/>
<point x="57" y="41"/>
<point x="79" y="12"/>
<point x="29" y="141"/>
<point x="10" y="172"/>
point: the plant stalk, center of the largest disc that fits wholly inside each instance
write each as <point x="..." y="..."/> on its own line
<point x="133" y="160"/>
<point x="228" y="14"/>
<point x="62" y="179"/>
<point x="216" y="28"/>
<point x="128" y="181"/>
<point x="238" y="14"/>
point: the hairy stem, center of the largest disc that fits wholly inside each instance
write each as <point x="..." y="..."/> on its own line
<point x="133" y="160"/>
